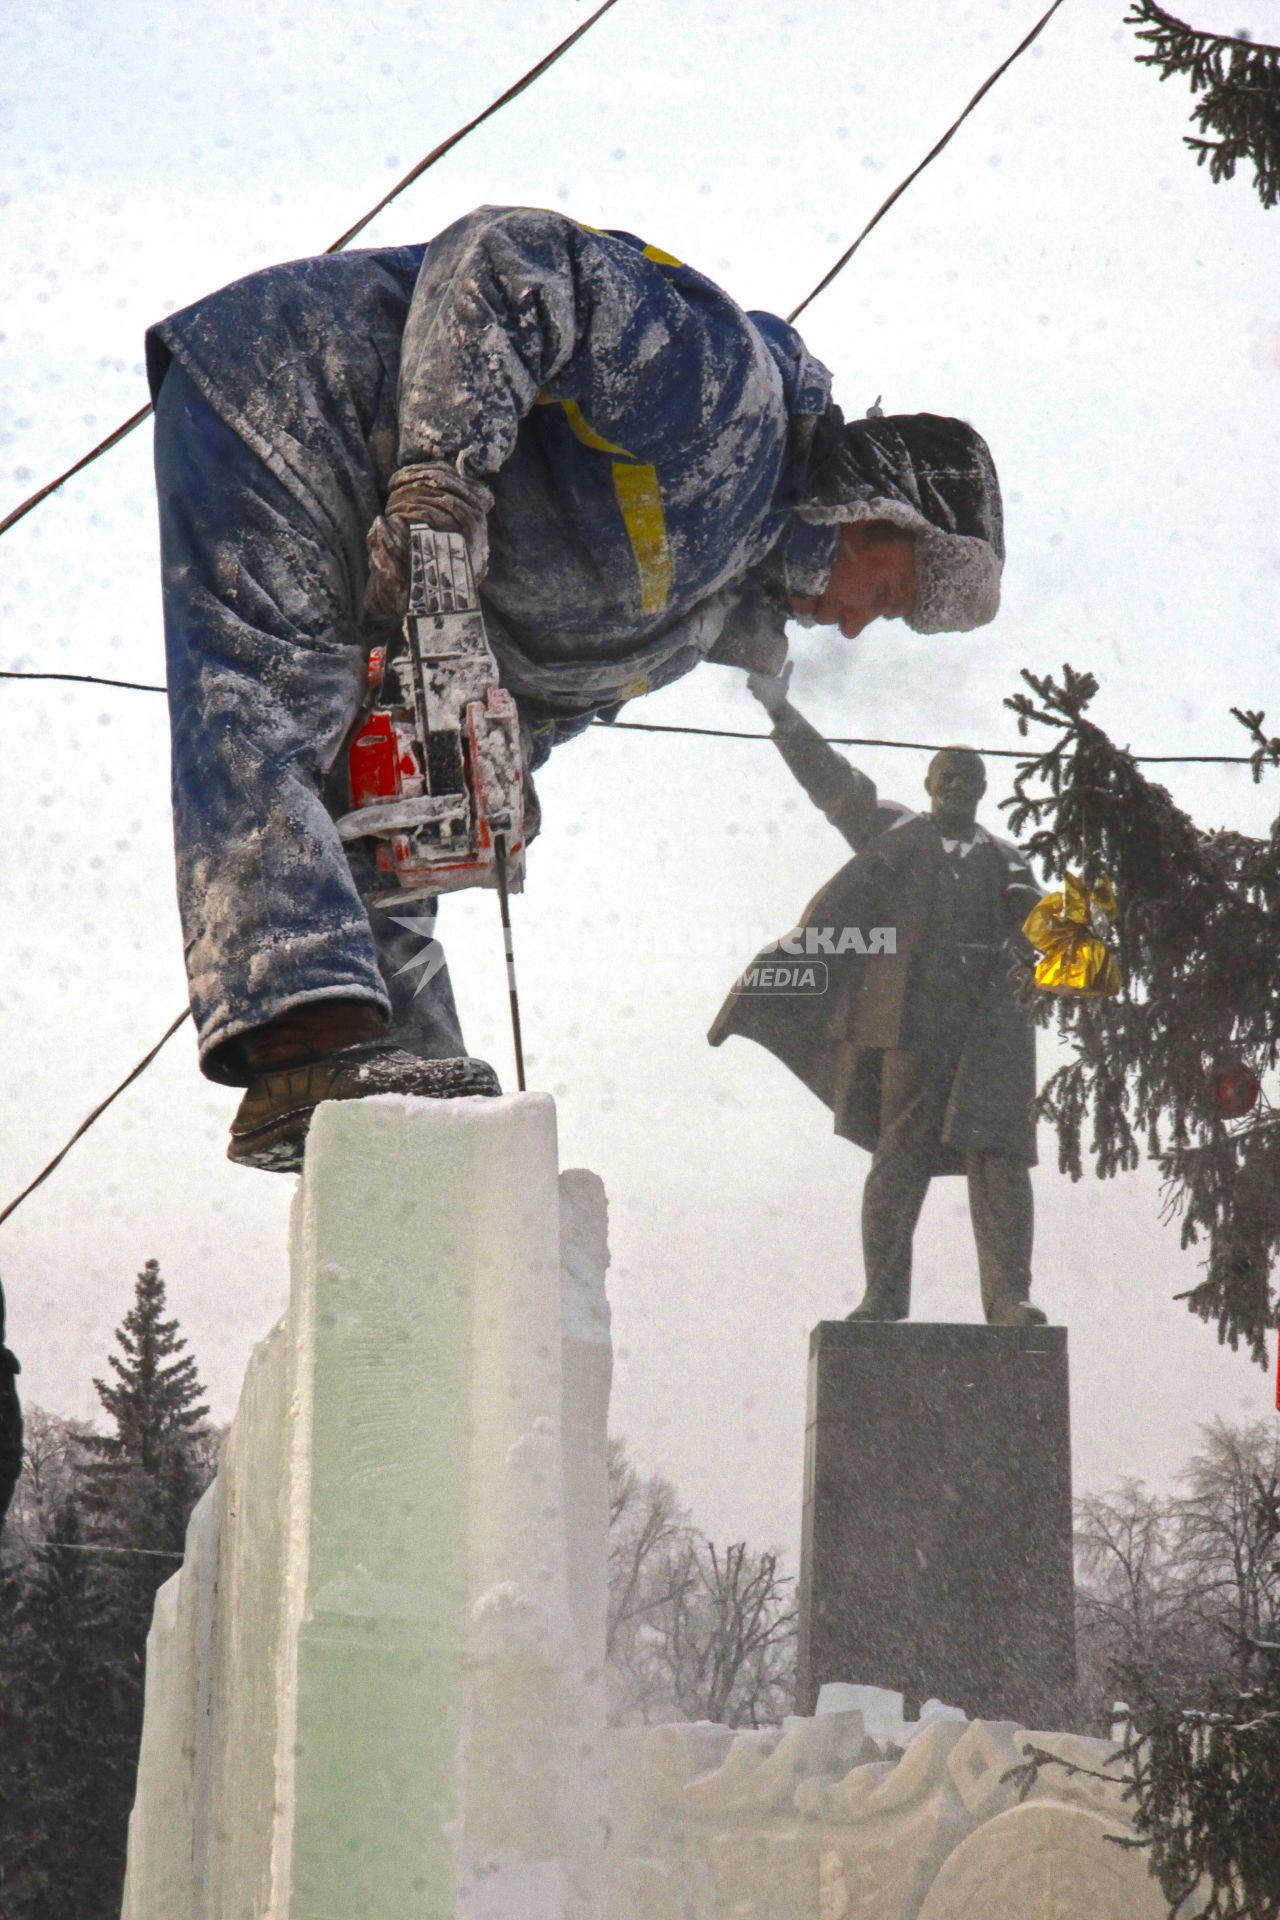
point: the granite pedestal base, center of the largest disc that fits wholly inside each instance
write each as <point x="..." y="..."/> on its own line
<point x="936" y="1549"/>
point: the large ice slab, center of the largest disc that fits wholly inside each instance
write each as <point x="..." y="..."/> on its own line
<point x="374" y="1686"/>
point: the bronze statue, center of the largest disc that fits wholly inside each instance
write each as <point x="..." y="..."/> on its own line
<point x="919" y="1045"/>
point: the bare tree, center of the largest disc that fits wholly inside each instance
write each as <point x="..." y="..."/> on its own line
<point x="1138" y="1634"/>
<point x="646" y="1527"/>
<point x="1229" y="1540"/>
<point x="648" y="1530"/>
<point x="728" y="1636"/>
<point x="49" y="1461"/>
<point x="695" y="1632"/>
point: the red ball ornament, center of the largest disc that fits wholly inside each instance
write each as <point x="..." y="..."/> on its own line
<point x="1233" y="1088"/>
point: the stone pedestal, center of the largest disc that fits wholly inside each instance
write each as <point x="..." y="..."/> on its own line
<point x="936" y="1549"/>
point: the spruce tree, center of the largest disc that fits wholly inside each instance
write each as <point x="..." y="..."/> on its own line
<point x="143" y="1479"/>
<point x="61" y="1783"/>
<point x="138" y="1484"/>
<point x="1239" y="81"/>
<point x="1164" y="1067"/>
<point x="1175" y="1065"/>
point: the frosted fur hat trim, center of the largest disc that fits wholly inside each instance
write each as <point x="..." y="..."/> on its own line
<point x="935" y="478"/>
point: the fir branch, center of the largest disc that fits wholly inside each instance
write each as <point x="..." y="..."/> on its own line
<point x="1268" y="753"/>
<point x="1026" y="1776"/>
<point x="1240" y="83"/>
<point x="1196" y="935"/>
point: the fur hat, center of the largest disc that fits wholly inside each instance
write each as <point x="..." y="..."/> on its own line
<point x="935" y="478"/>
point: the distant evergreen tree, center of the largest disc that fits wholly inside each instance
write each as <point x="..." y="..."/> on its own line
<point x="139" y="1484"/>
<point x="142" y="1481"/>
<point x="61" y="1846"/>
<point x="1176" y="1062"/>
<point x="1240" y="81"/>
<point x="77" y="1602"/>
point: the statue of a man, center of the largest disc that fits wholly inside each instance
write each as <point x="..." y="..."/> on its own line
<point x="919" y="1045"/>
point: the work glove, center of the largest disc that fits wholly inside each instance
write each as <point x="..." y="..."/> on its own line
<point x="427" y="495"/>
<point x="751" y="644"/>
<point x="770" y="689"/>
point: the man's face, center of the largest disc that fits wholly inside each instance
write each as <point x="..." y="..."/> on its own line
<point x="874" y="578"/>
<point x="955" y="783"/>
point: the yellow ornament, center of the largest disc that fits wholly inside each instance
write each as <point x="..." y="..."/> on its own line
<point x="1069" y="931"/>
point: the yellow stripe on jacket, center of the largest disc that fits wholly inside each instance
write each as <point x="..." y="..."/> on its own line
<point x="635" y="484"/>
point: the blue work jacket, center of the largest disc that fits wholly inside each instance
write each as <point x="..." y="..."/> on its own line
<point x="646" y="441"/>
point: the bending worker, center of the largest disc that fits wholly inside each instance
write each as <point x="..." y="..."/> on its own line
<point x="647" y="477"/>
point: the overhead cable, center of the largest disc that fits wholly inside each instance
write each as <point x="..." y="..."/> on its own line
<point x="446" y="146"/>
<point x="84" y="679"/>
<point x="78" y="1546"/>
<point x="89" y="1119"/>
<point x="929" y="746"/>
<point x="736" y="733"/>
<point x="336" y="246"/>
<point x="916" y="171"/>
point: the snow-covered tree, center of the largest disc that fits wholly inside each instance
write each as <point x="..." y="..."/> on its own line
<point x="1178" y="1062"/>
<point x="1139" y="1637"/>
<point x="1238" y="80"/>
<point x="1180" y="1615"/>
<point x="1228" y="1544"/>
<point x="100" y="1525"/>
<point x="143" y="1479"/>
<point x="696" y="1631"/>
<point x="63" y="1778"/>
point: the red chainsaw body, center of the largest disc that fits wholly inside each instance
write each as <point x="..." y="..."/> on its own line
<point x="435" y="771"/>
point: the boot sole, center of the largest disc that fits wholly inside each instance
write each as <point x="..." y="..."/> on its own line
<point x="278" y="1145"/>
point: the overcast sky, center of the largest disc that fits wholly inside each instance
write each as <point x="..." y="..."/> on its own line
<point x="1064" y="276"/>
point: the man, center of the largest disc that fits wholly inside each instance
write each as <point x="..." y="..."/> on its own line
<point x="647" y="477"/>
<point x="923" y="1052"/>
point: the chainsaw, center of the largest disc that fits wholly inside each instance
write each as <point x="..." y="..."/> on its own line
<point x="436" y="778"/>
<point x="435" y="766"/>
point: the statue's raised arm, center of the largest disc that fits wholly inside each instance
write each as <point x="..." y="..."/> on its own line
<point x="847" y="796"/>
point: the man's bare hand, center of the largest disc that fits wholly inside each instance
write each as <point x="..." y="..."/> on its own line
<point x="770" y="689"/>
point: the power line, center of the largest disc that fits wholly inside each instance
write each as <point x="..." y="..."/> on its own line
<point x="526" y="80"/>
<point x="738" y="733"/>
<point x="76" y="1546"/>
<point x="916" y="171"/>
<point x="929" y="746"/>
<point x="51" y="486"/>
<point x="438" y="153"/>
<point x="98" y="1111"/>
<point x="415" y="173"/>
<point x="85" y="679"/>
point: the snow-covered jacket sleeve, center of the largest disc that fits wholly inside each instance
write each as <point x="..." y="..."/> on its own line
<point x="754" y="635"/>
<point x="500" y="306"/>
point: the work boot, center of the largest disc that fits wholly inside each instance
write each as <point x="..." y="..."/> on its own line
<point x="270" y="1127"/>
<point x="1005" y="1311"/>
<point x="876" y="1304"/>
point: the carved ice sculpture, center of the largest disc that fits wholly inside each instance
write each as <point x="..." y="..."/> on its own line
<point x="819" y="1821"/>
